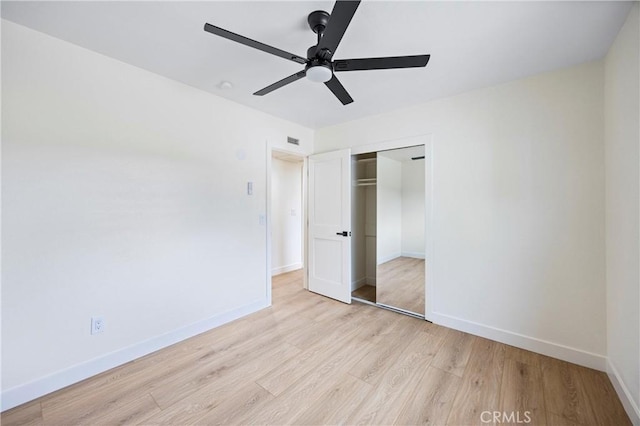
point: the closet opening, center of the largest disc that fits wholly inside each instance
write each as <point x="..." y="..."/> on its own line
<point x="363" y="226"/>
<point x="388" y="229"/>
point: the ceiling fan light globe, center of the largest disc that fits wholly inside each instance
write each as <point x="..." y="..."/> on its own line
<point x="319" y="74"/>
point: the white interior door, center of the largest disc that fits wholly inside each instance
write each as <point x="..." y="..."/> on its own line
<point x="330" y="224"/>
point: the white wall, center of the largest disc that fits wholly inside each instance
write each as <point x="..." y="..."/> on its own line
<point x="124" y="195"/>
<point x="622" y="140"/>
<point x="518" y="208"/>
<point x="370" y="235"/>
<point x="413" y="205"/>
<point x="389" y="209"/>
<point x="286" y="216"/>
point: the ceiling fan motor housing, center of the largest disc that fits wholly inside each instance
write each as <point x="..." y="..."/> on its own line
<point x="313" y="54"/>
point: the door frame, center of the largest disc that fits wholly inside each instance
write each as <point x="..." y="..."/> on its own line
<point x="427" y="141"/>
<point x="269" y="170"/>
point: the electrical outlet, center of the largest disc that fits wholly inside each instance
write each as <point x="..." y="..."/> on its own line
<point x="97" y="325"/>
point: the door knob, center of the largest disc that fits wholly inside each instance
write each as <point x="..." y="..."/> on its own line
<point x="343" y="233"/>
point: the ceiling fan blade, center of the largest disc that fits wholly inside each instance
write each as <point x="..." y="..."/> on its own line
<point x="252" y="43"/>
<point x="380" y="63"/>
<point x="278" y="84"/>
<point x="340" y="18"/>
<point x="338" y="89"/>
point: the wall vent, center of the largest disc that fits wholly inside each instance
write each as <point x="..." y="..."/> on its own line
<point x="293" y="141"/>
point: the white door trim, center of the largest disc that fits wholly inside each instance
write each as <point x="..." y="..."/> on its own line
<point x="392" y="144"/>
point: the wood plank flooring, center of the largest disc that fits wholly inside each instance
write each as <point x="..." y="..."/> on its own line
<point x="400" y="283"/>
<point x="366" y="292"/>
<point x="311" y="360"/>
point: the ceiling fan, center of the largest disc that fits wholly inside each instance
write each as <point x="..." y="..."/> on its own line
<point x="319" y="65"/>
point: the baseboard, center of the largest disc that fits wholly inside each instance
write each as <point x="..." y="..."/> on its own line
<point x="287" y="268"/>
<point x="413" y="254"/>
<point x="554" y="350"/>
<point x="29" y="391"/>
<point x="628" y="403"/>
<point x="388" y="258"/>
<point x="358" y="283"/>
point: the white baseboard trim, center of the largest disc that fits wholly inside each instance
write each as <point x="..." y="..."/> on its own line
<point x="287" y="268"/>
<point x="624" y="394"/>
<point x="413" y="254"/>
<point x="29" y="391"/>
<point x="362" y="282"/>
<point x="544" y="347"/>
<point x="388" y="258"/>
<point x="358" y="283"/>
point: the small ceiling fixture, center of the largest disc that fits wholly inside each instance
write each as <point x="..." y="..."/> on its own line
<point x="225" y="85"/>
<point x="319" y="63"/>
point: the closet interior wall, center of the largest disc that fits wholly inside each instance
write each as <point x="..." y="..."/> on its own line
<point x="363" y="222"/>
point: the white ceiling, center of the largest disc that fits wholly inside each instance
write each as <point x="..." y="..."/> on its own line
<point x="472" y="45"/>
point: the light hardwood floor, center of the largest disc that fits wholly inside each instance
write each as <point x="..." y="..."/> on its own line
<point x="366" y="292"/>
<point x="400" y="283"/>
<point x="311" y="360"/>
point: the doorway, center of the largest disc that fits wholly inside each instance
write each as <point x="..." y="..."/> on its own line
<point x="286" y="200"/>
